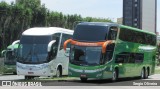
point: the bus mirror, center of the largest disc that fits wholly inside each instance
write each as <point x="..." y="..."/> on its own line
<point x="50" y="45"/>
<point x="3" y="53"/>
<point x="105" y="44"/>
<point x="15" y="42"/>
<point x="65" y="43"/>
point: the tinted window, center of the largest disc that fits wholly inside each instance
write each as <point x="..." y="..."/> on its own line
<point x="90" y="33"/>
<point x="127" y="57"/>
<point x="10" y="58"/>
<point x="137" y="37"/>
<point x="64" y="38"/>
<point x="112" y="33"/>
<point x="54" y="50"/>
<point x="85" y="55"/>
<point x="35" y="39"/>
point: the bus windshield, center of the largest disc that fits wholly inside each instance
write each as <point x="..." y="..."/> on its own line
<point x="90" y="33"/>
<point x="33" y="49"/>
<point x="85" y="55"/>
<point x="9" y="58"/>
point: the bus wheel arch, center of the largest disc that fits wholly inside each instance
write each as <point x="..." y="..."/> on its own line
<point x="59" y="71"/>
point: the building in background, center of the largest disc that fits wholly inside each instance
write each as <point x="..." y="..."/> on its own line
<point x="140" y="14"/>
<point x="120" y="20"/>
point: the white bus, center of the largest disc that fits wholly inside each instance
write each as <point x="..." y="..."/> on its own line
<point x="40" y="52"/>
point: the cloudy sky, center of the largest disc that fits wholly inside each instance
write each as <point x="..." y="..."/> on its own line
<point x="94" y="8"/>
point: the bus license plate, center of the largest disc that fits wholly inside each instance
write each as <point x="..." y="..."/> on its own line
<point x="30" y="72"/>
<point x="83" y="75"/>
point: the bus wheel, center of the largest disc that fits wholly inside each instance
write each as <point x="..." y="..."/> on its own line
<point x="15" y="73"/>
<point x="146" y="74"/>
<point x="115" y="75"/>
<point x="83" y="79"/>
<point x="29" y="77"/>
<point x="26" y="77"/>
<point x="58" y="72"/>
<point x="143" y="73"/>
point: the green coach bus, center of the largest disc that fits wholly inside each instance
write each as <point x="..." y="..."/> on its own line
<point x="102" y="50"/>
<point x="9" y="64"/>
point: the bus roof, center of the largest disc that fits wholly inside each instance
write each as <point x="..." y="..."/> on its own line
<point x="136" y="29"/>
<point x="36" y="31"/>
<point x="98" y="23"/>
<point x="114" y="24"/>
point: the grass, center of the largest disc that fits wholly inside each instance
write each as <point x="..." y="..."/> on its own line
<point x="157" y="70"/>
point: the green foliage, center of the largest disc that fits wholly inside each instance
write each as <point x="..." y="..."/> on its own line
<point x="15" y="18"/>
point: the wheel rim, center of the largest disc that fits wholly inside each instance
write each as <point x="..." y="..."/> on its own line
<point x="114" y="76"/>
<point x="142" y="74"/>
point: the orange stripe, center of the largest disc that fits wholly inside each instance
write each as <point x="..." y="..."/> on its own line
<point x="86" y="43"/>
<point x="65" y="43"/>
<point x="103" y="44"/>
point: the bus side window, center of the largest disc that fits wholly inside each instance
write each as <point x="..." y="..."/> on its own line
<point x="132" y="58"/>
<point x="64" y="38"/>
<point x="120" y="58"/>
<point x="109" y="52"/>
<point x="112" y="33"/>
<point x="139" y="58"/>
<point x="53" y="53"/>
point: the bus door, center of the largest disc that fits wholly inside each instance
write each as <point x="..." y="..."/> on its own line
<point x="64" y="55"/>
<point x="108" y="55"/>
<point x="52" y="54"/>
<point x="112" y="35"/>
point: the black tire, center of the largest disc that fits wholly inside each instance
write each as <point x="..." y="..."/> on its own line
<point x="14" y="73"/>
<point x="143" y="73"/>
<point x="146" y="74"/>
<point x="83" y="79"/>
<point x="29" y="77"/>
<point x="58" y="72"/>
<point x="26" y="77"/>
<point x="115" y="75"/>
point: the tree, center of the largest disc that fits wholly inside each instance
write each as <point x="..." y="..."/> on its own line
<point x="17" y="17"/>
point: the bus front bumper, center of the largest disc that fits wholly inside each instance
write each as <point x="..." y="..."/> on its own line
<point x="33" y="70"/>
<point x="97" y="74"/>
